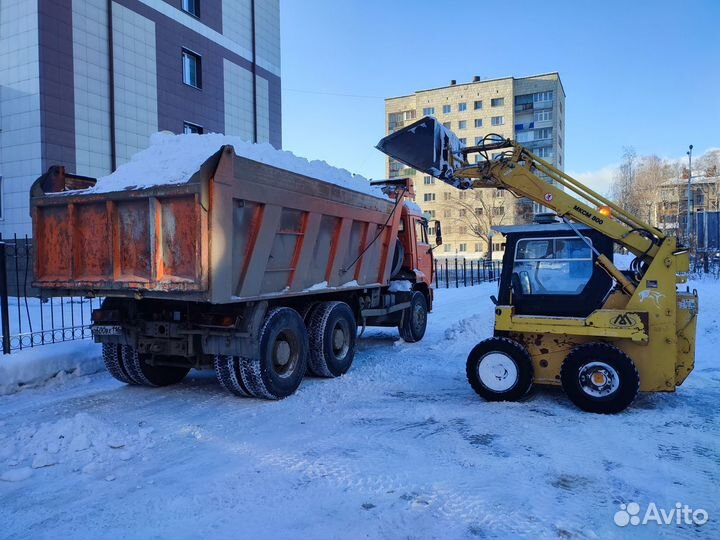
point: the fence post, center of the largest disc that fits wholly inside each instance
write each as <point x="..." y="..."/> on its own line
<point x="456" y="274"/>
<point x="4" y="305"/>
<point x="447" y="275"/>
<point x="437" y="280"/>
<point x="472" y="276"/>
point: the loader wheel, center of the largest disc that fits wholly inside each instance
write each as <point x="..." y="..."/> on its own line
<point x="600" y="378"/>
<point x="332" y="332"/>
<point x="279" y="368"/>
<point x="227" y="371"/>
<point x="112" y="358"/>
<point x="500" y="369"/>
<point x="144" y="374"/>
<point x="414" y="321"/>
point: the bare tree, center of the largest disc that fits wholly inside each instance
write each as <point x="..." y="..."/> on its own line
<point x="624" y="181"/>
<point x="478" y="212"/>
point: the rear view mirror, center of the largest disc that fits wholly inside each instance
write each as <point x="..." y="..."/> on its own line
<point x="438" y="233"/>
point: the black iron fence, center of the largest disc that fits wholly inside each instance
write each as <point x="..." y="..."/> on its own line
<point x="30" y="319"/>
<point x="461" y="272"/>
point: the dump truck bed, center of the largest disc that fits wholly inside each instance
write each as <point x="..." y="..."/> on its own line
<point x="235" y="230"/>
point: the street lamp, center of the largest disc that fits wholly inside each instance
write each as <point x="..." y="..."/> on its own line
<point x="688" y="226"/>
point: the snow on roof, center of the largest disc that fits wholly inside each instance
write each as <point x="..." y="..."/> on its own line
<point x="173" y="159"/>
<point x="413" y="206"/>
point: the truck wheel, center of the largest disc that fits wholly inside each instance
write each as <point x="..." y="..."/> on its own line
<point x="414" y="321"/>
<point x="144" y="374"/>
<point x="600" y="378"/>
<point x="227" y="371"/>
<point x="278" y="369"/>
<point x="499" y="369"/>
<point x="112" y="358"/>
<point x="332" y="332"/>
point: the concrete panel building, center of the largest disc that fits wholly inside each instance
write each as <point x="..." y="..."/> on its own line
<point x="83" y="83"/>
<point x="530" y="110"/>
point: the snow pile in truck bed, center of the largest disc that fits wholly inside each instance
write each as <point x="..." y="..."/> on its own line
<point x="173" y="159"/>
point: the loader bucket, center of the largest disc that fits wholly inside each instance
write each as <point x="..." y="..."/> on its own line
<point x="425" y="145"/>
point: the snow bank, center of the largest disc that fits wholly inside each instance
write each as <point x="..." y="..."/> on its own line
<point x="173" y="159"/>
<point x="33" y="367"/>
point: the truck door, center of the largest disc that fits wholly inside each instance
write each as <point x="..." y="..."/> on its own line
<point x="422" y="247"/>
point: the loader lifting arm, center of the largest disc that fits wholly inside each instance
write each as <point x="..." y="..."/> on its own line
<point x="522" y="173"/>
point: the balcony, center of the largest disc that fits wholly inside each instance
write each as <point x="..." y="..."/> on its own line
<point x="523" y="107"/>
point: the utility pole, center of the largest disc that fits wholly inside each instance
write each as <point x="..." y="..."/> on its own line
<point x="688" y="225"/>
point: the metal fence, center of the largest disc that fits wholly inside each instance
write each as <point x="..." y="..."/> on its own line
<point x="461" y="272"/>
<point x="28" y="318"/>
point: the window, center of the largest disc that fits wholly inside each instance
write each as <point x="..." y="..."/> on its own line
<point x="498" y="246"/>
<point x="463" y="141"/>
<point x="543" y="152"/>
<point x="543" y="96"/>
<point x="421" y="231"/>
<point x="428" y="111"/>
<point x="429" y="197"/>
<point x="478" y="122"/>
<point x="497" y="121"/>
<point x="477" y="104"/>
<point x="499" y="211"/>
<point x="543" y="116"/>
<point x="447" y="213"/>
<point x="478" y="247"/>
<point x="192" y="128"/>
<point x="408" y="115"/>
<point x="447" y="248"/>
<point x="192" y="68"/>
<point x="463" y="247"/>
<point x="462" y="106"/>
<point x="497" y="102"/>
<point x="462" y="195"/>
<point x="478" y="140"/>
<point x="430" y="214"/>
<point x="462" y="229"/>
<point x="192" y="7"/>
<point x="447" y="196"/>
<point x="553" y="265"/>
<point x="462" y="124"/>
<point x="446" y="124"/>
<point x="447" y="109"/>
<point x="428" y="180"/>
<point x="462" y="212"/>
<point x="479" y="211"/>
<point x="498" y="193"/>
<point x="545" y="133"/>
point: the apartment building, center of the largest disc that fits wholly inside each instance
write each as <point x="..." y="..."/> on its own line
<point x="83" y="83"/>
<point x="530" y="110"/>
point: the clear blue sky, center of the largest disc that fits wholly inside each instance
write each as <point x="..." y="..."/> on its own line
<point x="639" y="73"/>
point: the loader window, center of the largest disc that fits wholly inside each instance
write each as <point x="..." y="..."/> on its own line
<point x="553" y="265"/>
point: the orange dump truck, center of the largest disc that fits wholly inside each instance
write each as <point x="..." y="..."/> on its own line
<point x="252" y="270"/>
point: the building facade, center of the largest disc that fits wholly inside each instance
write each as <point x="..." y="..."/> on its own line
<point x="530" y="110"/>
<point x="672" y="208"/>
<point x="83" y="83"/>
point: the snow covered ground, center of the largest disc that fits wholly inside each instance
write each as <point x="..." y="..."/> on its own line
<point x="400" y="447"/>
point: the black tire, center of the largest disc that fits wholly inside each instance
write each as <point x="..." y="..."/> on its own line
<point x="333" y="331"/>
<point x="500" y="369"/>
<point x="414" y="321"/>
<point x="227" y="371"/>
<point x="270" y="375"/>
<point x="144" y="374"/>
<point x="600" y="378"/>
<point x="112" y="358"/>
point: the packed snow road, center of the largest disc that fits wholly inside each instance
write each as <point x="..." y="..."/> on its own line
<point x="400" y="447"/>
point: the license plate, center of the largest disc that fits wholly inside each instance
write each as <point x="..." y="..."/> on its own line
<point x="107" y="330"/>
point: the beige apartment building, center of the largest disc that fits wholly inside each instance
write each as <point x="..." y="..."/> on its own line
<point x="530" y="110"/>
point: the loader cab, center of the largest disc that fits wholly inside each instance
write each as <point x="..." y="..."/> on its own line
<point x="548" y="270"/>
